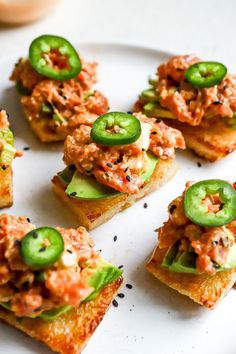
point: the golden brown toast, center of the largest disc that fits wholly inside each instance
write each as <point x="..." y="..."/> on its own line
<point x="204" y="289"/>
<point x="42" y="131"/>
<point x="6" y="194"/>
<point x="70" y="332"/>
<point x="211" y="143"/>
<point x="92" y="213"/>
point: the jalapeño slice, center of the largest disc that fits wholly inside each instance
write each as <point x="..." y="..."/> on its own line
<point x="54" y="57"/>
<point x="42" y="247"/>
<point x="205" y="74"/>
<point x="116" y="128"/>
<point x="198" y="212"/>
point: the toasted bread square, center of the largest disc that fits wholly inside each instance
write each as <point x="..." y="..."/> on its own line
<point x="6" y="193"/>
<point x="212" y="143"/>
<point x="204" y="289"/>
<point x="92" y="213"/>
<point x="42" y="130"/>
<point x="70" y="332"/>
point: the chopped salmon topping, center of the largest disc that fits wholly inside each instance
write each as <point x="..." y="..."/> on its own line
<point x="211" y="244"/>
<point x="4" y="123"/>
<point x="190" y="104"/>
<point x="74" y="102"/>
<point x="121" y="167"/>
<point x="65" y="281"/>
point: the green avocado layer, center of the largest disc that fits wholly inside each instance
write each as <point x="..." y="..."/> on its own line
<point x="86" y="187"/>
<point x="104" y="274"/>
<point x="8" y="151"/>
<point x="185" y="262"/>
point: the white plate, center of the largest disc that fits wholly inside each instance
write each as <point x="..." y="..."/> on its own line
<point x="151" y="318"/>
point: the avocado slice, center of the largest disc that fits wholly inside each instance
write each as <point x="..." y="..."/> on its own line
<point x="7" y="135"/>
<point x="185" y="262"/>
<point x="51" y="315"/>
<point x="66" y="175"/>
<point x="153" y="109"/>
<point x="102" y="275"/>
<point x="149" y="95"/>
<point x="7" y="154"/>
<point x="8" y="151"/>
<point x="87" y="187"/>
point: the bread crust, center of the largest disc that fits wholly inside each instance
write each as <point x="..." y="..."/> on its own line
<point x="6" y="193"/>
<point x="204" y="289"/>
<point x="212" y="143"/>
<point x="92" y="213"/>
<point x="42" y="131"/>
<point x="70" y="332"/>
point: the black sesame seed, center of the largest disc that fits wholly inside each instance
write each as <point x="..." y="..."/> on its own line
<point x="115" y="303"/>
<point x="4" y="167"/>
<point x="121" y="266"/>
<point x="38" y="309"/>
<point x="26" y="148"/>
<point x="172" y="208"/>
<point x="109" y="165"/>
<point x="34" y="234"/>
<point x="153" y="133"/>
<point x="115" y="238"/>
<point x="218" y="102"/>
<point x="28" y="219"/>
<point x="129" y="286"/>
<point x="42" y="249"/>
<point x="128" y="178"/>
<point x="73" y="194"/>
<point x="121" y="295"/>
<point x="126" y="169"/>
<point x="69" y="251"/>
<point x="107" y="174"/>
<point x="199" y="164"/>
<point x="25" y="285"/>
<point x="145" y="205"/>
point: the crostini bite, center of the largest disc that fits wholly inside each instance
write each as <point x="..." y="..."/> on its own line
<point x="7" y="154"/>
<point x="117" y="161"/>
<point x="198" y="98"/>
<point x="196" y="252"/>
<point x="57" y="88"/>
<point x="54" y="286"/>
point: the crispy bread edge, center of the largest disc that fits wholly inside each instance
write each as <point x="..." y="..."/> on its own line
<point x="41" y="130"/>
<point x="69" y="333"/>
<point x="94" y="213"/>
<point x="204" y="289"/>
<point x="6" y="193"/>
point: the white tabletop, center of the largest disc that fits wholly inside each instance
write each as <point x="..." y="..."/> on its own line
<point x="206" y="27"/>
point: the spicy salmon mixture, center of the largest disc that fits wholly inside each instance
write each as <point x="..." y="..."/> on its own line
<point x="191" y="104"/>
<point x="211" y="245"/>
<point x="121" y="167"/>
<point x="31" y="291"/>
<point x="63" y="104"/>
